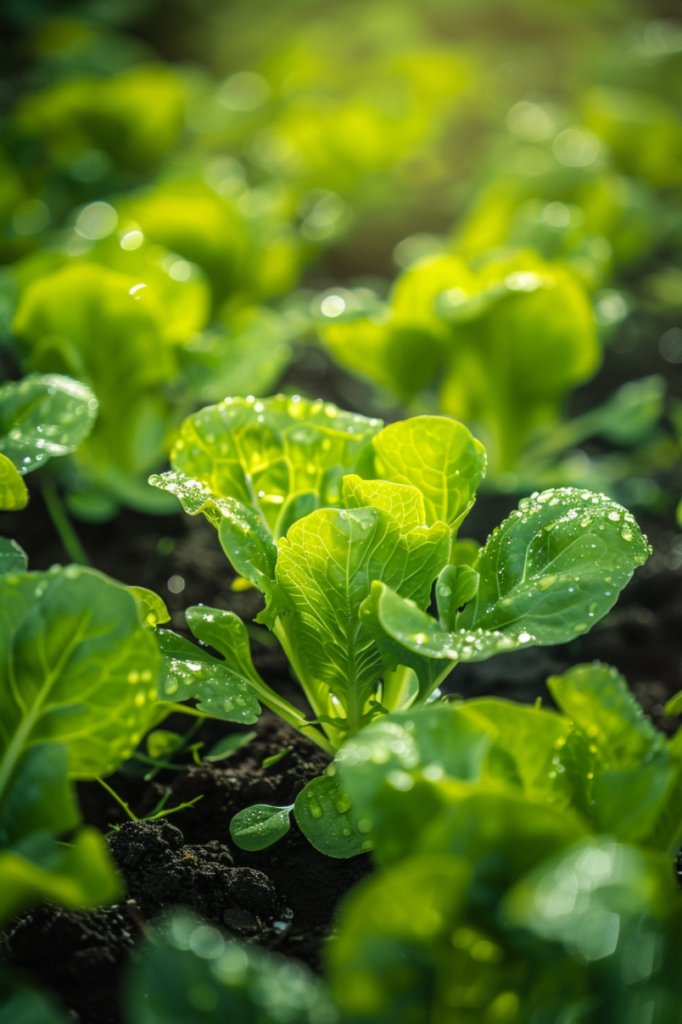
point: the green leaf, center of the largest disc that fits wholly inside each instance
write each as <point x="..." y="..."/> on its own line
<point x="13" y="558"/>
<point x="548" y="573"/>
<point x="281" y="457"/>
<point x="112" y="331"/>
<point x="597" y="698"/>
<point x="394" y="767"/>
<point x="22" y="1005"/>
<point x="76" y="875"/>
<point x="76" y="667"/>
<point x="190" y="672"/>
<point x="162" y="743"/>
<point x="529" y="751"/>
<point x="555" y="567"/>
<point x="188" y="970"/>
<point x="154" y="611"/>
<point x="42" y="416"/>
<point x="502" y="835"/>
<point x="243" y="536"/>
<point x="257" y="827"/>
<point x="406" y="504"/>
<point x="228" y="746"/>
<point x="455" y="587"/>
<point x="382" y="962"/>
<point x="614" y="890"/>
<point x="226" y="632"/>
<point x="13" y="491"/>
<point x="325" y="568"/>
<point x="323" y="813"/>
<point x="428" y="670"/>
<point x="632" y="803"/>
<point x="40" y="796"/>
<point x="438" y="456"/>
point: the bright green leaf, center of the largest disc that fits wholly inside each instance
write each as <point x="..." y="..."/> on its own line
<point x="438" y="456"/>
<point x="280" y="457"/>
<point x="406" y="504"/>
<point x="13" y="491"/>
<point x="325" y="568"/>
<point x="154" y="611"/>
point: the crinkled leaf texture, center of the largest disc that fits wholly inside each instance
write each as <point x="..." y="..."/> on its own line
<point x="187" y="960"/>
<point x="44" y="415"/>
<point x="548" y="573"/>
<point x="437" y="455"/>
<point x="281" y="457"/>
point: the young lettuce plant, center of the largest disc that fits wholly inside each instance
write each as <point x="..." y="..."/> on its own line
<point x="344" y="526"/>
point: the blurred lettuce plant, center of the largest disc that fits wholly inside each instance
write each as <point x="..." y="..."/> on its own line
<point x="500" y="340"/>
<point x="523" y="860"/>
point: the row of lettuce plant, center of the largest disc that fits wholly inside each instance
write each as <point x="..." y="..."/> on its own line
<point x="239" y="183"/>
<point x="523" y="855"/>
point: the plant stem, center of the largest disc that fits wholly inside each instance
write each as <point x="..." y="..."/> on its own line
<point x="63" y="525"/>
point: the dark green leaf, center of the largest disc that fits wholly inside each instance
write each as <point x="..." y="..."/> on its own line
<point x="455" y="587"/>
<point x="257" y="827"/>
<point x="13" y="558"/>
<point x="228" y="746"/>
<point x="188" y="971"/>
<point x="597" y="698"/>
<point x="324" y="814"/>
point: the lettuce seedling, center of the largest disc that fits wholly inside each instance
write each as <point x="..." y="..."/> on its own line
<point x="78" y="681"/>
<point x="345" y="526"/>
